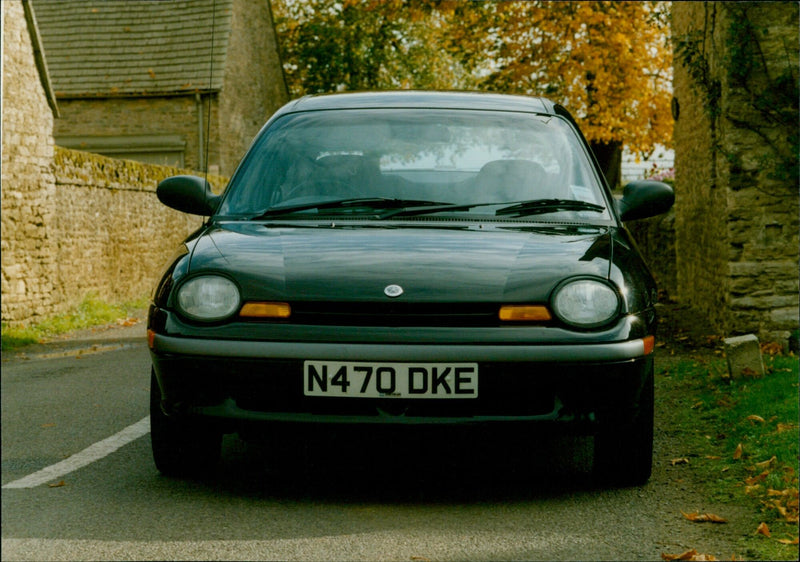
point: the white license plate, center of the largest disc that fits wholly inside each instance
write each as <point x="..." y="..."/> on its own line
<point x="390" y="380"/>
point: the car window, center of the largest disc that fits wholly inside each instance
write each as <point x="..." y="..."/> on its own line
<point x="447" y="156"/>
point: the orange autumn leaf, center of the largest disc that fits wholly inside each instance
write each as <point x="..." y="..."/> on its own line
<point x="788" y="541"/>
<point x="788" y="492"/>
<point x="755" y="418"/>
<point x="688" y="555"/>
<point x="704" y="517"/>
<point x="737" y="454"/>
<point x="766" y="463"/>
<point x="753" y="480"/>
<point x="763" y="530"/>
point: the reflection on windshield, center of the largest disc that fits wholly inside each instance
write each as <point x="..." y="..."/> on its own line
<point x="461" y="157"/>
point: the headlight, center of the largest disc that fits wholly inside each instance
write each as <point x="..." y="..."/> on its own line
<point x="208" y="298"/>
<point x="585" y="303"/>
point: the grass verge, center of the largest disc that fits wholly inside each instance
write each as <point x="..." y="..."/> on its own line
<point x="741" y="438"/>
<point x="90" y="313"/>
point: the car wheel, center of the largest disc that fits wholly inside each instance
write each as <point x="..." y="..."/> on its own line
<point x="623" y="452"/>
<point x="180" y="447"/>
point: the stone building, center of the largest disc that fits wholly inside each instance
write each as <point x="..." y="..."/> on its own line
<point x="736" y="164"/>
<point x="28" y="183"/>
<point x="134" y="78"/>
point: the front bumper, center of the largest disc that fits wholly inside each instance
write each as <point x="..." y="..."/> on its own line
<point x="614" y="351"/>
<point x="238" y="383"/>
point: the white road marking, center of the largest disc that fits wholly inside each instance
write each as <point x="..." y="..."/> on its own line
<point x="89" y="455"/>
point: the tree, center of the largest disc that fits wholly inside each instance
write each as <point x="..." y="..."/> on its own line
<point x="336" y="45"/>
<point x="609" y="63"/>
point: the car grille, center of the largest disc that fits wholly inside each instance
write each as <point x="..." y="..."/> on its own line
<point x="394" y="314"/>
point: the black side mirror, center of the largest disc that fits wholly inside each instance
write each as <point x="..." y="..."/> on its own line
<point x="643" y="199"/>
<point x="188" y="194"/>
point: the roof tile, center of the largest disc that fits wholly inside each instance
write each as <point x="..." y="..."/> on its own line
<point x="131" y="47"/>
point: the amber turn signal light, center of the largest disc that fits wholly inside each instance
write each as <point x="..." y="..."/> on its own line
<point x="266" y="310"/>
<point x="524" y="313"/>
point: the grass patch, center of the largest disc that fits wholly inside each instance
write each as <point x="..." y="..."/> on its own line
<point x="742" y="436"/>
<point x="90" y="313"/>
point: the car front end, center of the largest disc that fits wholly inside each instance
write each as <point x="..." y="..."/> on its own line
<point x="387" y="309"/>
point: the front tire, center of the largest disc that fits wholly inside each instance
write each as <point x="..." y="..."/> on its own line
<point x="623" y="452"/>
<point x="181" y="447"/>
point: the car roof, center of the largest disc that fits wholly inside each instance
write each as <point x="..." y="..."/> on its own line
<point x="421" y="99"/>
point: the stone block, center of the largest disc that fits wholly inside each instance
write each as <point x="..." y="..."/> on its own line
<point x="744" y="356"/>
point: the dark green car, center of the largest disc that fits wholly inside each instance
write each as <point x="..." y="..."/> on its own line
<point x="408" y="259"/>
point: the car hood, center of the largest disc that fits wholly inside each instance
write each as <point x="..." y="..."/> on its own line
<point x="431" y="264"/>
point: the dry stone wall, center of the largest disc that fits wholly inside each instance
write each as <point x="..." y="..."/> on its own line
<point x="110" y="236"/>
<point x="114" y="236"/>
<point x="736" y="218"/>
<point x="28" y="246"/>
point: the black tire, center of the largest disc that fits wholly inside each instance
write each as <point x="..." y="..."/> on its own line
<point x="181" y="447"/>
<point x="623" y="452"/>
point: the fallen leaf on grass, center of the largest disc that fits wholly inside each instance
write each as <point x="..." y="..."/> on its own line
<point x="788" y="541"/>
<point x="767" y="463"/>
<point x="755" y="419"/>
<point x="682" y="460"/>
<point x="704" y="517"/>
<point x="737" y="454"/>
<point x="688" y="555"/>
<point x="46" y="425"/>
<point x="57" y="484"/>
<point x="788" y="492"/>
<point x="786" y="427"/>
<point x="753" y="480"/>
<point x="763" y="530"/>
<point x="785" y="502"/>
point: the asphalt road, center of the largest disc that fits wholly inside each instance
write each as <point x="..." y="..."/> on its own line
<point x="79" y="484"/>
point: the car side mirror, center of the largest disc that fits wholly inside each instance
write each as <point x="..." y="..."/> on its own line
<point x="188" y="194"/>
<point x="644" y="198"/>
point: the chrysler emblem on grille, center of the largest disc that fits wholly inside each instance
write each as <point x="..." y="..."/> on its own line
<point x="393" y="291"/>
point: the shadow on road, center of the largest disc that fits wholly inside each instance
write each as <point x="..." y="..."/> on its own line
<point x="439" y="466"/>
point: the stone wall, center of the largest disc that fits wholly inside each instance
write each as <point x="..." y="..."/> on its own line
<point x="114" y="236"/>
<point x="736" y="210"/>
<point x="110" y="236"/>
<point x="28" y="245"/>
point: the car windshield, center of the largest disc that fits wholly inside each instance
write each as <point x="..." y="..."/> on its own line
<point x="420" y="161"/>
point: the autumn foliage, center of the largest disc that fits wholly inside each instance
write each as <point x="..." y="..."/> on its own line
<point x="609" y="63"/>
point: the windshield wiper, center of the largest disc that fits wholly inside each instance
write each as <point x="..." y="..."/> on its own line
<point x="537" y="206"/>
<point x="369" y="203"/>
<point x="520" y="208"/>
<point x="434" y="208"/>
<point x="388" y="208"/>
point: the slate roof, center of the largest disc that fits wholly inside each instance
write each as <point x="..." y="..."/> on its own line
<point x="99" y="48"/>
